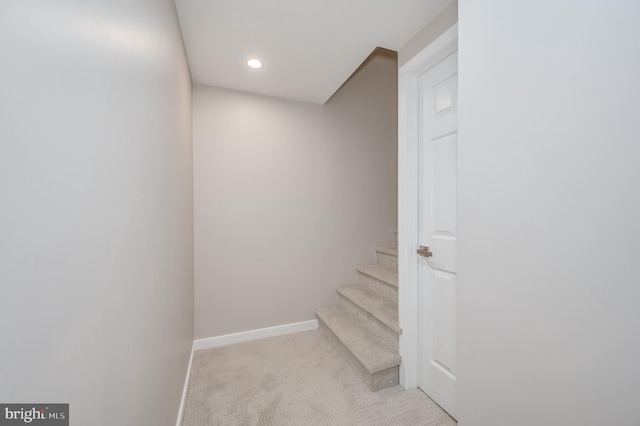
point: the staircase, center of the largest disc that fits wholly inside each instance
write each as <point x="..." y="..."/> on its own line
<point x="364" y="325"/>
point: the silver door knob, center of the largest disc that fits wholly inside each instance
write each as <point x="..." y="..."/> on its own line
<point x="424" y="251"/>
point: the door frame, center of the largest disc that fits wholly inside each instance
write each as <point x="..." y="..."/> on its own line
<point x="408" y="193"/>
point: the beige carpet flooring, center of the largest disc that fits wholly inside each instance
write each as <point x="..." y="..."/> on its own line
<point x="298" y="379"/>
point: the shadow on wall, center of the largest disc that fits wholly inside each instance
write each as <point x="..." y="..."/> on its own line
<point x="376" y="54"/>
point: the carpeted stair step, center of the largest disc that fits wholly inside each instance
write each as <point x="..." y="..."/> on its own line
<point x="387" y="256"/>
<point x="374" y="360"/>
<point x="377" y="312"/>
<point x="380" y="278"/>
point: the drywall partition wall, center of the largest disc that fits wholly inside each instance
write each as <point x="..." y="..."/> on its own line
<point x="548" y="213"/>
<point x="362" y="122"/>
<point x="289" y="198"/>
<point x="258" y="209"/>
<point x="429" y="33"/>
<point x="96" y="304"/>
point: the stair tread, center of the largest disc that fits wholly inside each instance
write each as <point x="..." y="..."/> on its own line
<point x="390" y="250"/>
<point x="380" y="272"/>
<point x="382" y="308"/>
<point x="370" y="350"/>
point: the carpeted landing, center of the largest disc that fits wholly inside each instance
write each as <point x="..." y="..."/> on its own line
<point x="298" y="379"/>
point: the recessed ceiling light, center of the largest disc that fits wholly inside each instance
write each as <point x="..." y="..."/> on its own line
<point x="254" y="63"/>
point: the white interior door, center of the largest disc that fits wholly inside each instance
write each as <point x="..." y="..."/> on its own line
<point x="437" y="230"/>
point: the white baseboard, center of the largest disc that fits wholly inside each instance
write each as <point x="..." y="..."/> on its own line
<point x="245" y="336"/>
<point x="183" y="401"/>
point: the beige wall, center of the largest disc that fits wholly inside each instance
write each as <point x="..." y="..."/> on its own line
<point x="289" y="198"/>
<point x="430" y="32"/>
<point x="96" y="303"/>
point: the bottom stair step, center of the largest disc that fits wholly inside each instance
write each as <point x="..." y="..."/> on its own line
<point x="375" y="361"/>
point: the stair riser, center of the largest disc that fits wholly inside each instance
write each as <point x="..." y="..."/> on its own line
<point x="372" y="323"/>
<point x="387" y="260"/>
<point x="381" y="287"/>
<point x="380" y="380"/>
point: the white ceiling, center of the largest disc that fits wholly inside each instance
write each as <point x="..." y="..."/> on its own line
<point x="308" y="48"/>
